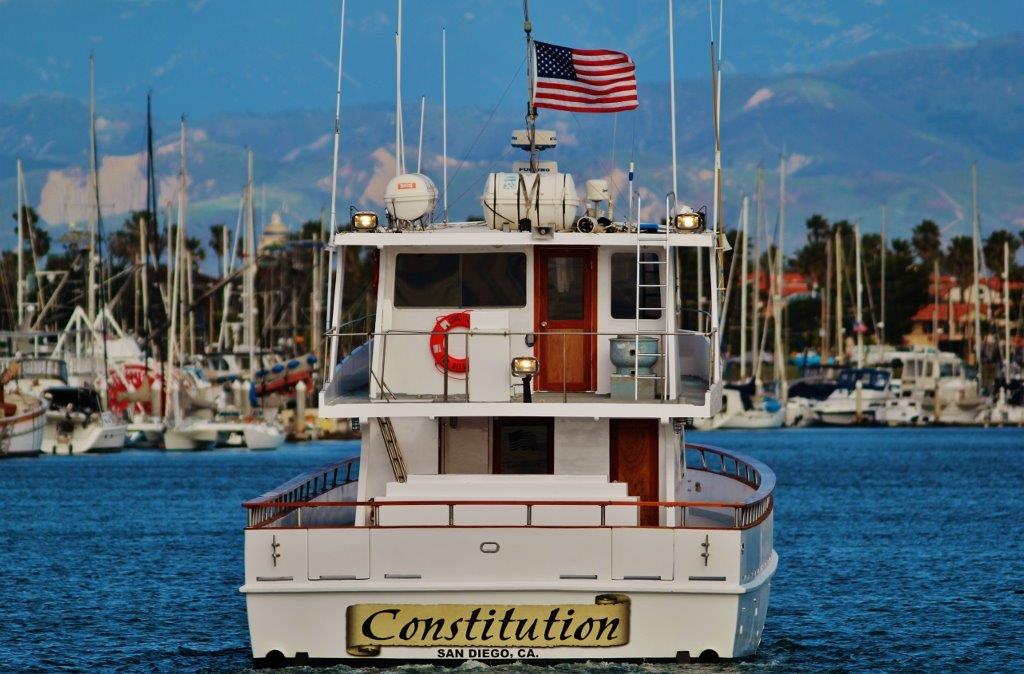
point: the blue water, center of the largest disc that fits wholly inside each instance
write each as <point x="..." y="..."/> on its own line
<point x="901" y="550"/>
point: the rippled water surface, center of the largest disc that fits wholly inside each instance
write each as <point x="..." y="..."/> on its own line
<point x="901" y="550"/>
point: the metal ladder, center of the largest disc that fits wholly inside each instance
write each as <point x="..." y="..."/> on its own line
<point x="387" y="431"/>
<point x="647" y="246"/>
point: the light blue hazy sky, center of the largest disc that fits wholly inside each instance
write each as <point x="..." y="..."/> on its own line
<point x="263" y="56"/>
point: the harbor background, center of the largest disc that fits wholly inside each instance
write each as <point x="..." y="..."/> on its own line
<point x="903" y="552"/>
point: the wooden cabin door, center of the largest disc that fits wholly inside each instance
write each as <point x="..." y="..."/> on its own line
<point x="565" y="298"/>
<point x="633" y="459"/>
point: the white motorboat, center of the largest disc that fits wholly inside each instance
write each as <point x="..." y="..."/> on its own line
<point x="740" y="411"/>
<point x="902" y="412"/>
<point x="938" y="381"/>
<point x="75" y="420"/>
<point x="859" y="395"/>
<point x="207" y="434"/>
<point x="523" y="491"/>
<point x="77" y="424"/>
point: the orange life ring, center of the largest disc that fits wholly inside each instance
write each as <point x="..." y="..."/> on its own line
<point x="459" y="319"/>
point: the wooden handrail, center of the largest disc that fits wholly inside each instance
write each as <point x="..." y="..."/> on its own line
<point x="749" y="511"/>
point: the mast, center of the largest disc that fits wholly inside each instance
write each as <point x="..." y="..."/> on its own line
<point x="743" y="288"/>
<point x="758" y="237"/>
<point x="881" y="323"/>
<point x="672" y="105"/>
<point x="334" y="182"/>
<point x="780" y="250"/>
<point x="975" y="235"/>
<point x="96" y="232"/>
<point x="840" y="346"/>
<point x="94" y="187"/>
<point x="175" y="298"/>
<point x="826" y="299"/>
<point x="935" y="311"/>
<point x="531" y="110"/>
<point x="858" y="320"/>
<point x="249" y="285"/>
<point x="444" y="123"/>
<point x="150" y="215"/>
<point x="1006" y="311"/>
<point x="20" y="295"/>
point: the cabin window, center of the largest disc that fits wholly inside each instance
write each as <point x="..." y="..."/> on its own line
<point x="467" y="280"/>
<point x="524" y="446"/>
<point x="623" y="290"/>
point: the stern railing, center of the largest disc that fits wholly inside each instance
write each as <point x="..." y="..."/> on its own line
<point x="747" y="512"/>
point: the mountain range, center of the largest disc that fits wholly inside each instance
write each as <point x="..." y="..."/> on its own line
<point x="898" y="128"/>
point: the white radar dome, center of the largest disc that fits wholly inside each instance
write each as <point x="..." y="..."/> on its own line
<point x="410" y="197"/>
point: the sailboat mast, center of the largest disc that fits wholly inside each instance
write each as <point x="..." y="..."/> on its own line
<point x="826" y="300"/>
<point x="840" y="350"/>
<point x="94" y="188"/>
<point x="744" y="213"/>
<point x="780" y="257"/>
<point x="249" y="301"/>
<point x="20" y="295"/>
<point x="175" y="299"/>
<point x="935" y="300"/>
<point x="858" y="320"/>
<point x="758" y="236"/>
<point x="1006" y="311"/>
<point x="975" y="235"/>
<point x="881" y="323"/>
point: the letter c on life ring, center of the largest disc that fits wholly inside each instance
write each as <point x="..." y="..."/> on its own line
<point x="459" y="319"/>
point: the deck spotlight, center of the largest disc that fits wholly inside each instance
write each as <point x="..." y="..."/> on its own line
<point x="364" y="221"/>
<point x="525" y="367"/>
<point x="688" y="220"/>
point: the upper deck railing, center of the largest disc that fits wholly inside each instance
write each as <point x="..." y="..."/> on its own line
<point x="292" y="499"/>
<point x="685" y="366"/>
<point x="38" y="368"/>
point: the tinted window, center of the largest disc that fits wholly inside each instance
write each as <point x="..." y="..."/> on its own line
<point x="524" y="446"/>
<point x="427" y="280"/>
<point x="460" y="280"/>
<point x="623" y="291"/>
<point x="494" y="280"/>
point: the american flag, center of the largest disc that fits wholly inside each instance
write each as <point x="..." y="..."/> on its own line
<point x="584" y="80"/>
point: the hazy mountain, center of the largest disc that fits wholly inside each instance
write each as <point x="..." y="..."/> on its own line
<point x="900" y="127"/>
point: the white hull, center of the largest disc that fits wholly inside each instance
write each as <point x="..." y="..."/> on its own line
<point x="673" y="603"/>
<point x="207" y="434"/>
<point x="96" y="436"/>
<point x="664" y="624"/>
<point x="22" y="435"/>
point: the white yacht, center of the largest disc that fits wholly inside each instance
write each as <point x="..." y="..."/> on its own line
<point x="860" y="395"/>
<point x="75" y="419"/>
<point x="523" y="490"/>
<point x="743" y="410"/>
<point x="938" y="381"/>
